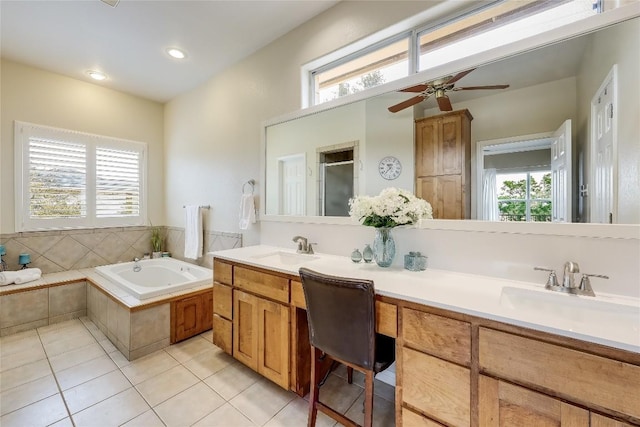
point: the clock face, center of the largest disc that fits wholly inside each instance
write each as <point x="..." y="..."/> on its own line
<point x="389" y="168"/>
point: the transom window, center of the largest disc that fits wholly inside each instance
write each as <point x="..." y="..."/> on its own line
<point x="429" y="46"/>
<point x="69" y="179"/>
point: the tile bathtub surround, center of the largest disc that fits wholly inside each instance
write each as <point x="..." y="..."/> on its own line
<point x="38" y="307"/>
<point x="55" y="251"/>
<point x="62" y="250"/>
<point x="192" y="383"/>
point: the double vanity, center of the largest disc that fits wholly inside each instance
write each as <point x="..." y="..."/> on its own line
<point x="471" y="350"/>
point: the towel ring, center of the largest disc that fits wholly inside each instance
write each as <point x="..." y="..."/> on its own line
<point x="251" y="183"/>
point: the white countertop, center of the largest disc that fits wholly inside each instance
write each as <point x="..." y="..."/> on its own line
<point x="605" y="319"/>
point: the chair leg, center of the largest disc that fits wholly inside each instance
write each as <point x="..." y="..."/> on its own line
<point x="368" y="399"/>
<point x="349" y="374"/>
<point x="315" y="389"/>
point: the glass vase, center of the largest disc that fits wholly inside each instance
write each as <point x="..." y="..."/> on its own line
<point x="384" y="248"/>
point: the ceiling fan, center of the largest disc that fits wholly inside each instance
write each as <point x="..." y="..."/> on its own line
<point x="439" y="88"/>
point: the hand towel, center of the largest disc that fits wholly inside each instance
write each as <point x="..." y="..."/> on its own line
<point x="193" y="232"/>
<point x="247" y="211"/>
<point x="20" y="276"/>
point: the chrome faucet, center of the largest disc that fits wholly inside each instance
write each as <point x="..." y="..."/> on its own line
<point x="304" y="247"/>
<point x="569" y="281"/>
<point x="136" y="265"/>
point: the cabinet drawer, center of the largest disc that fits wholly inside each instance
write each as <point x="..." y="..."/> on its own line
<point x="440" y="336"/>
<point x="411" y="419"/>
<point x="297" y="295"/>
<point x="222" y="333"/>
<point x="222" y="272"/>
<point x="437" y="388"/>
<point x="386" y="319"/>
<point x="272" y="287"/>
<point x="223" y="300"/>
<point x="603" y="382"/>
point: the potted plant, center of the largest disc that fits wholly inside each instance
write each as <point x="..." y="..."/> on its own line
<point x="156" y="242"/>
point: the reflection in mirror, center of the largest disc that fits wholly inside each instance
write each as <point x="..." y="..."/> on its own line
<point x="592" y="81"/>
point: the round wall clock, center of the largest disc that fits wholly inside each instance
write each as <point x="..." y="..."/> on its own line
<point x="390" y="168"/>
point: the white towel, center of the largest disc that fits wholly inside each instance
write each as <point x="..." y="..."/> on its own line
<point x="247" y="211"/>
<point x="19" y="277"/>
<point x="193" y="232"/>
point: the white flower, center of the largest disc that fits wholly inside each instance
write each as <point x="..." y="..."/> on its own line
<point x="392" y="207"/>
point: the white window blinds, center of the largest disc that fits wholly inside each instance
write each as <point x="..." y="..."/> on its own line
<point x="57" y="179"/>
<point x="67" y="179"/>
<point x="117" y="183"/>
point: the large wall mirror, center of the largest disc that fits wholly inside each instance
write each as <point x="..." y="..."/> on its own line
<point x="586" y="86"/>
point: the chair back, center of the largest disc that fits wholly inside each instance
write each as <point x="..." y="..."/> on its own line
<point x="341" y="315"/>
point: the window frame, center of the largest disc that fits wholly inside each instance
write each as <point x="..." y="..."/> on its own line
<point x="414" y="30"/>
<point x="23" y="131"/>
<point x="528" y="200"/>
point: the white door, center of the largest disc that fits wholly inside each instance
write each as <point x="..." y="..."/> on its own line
<point x="603" y="152"/>
<point x="292" y="185"/>
<point x="561" y="173"/>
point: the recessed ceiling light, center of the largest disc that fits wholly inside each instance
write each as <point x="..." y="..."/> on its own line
<point x="176" y="53"/>
<point x="97" y="75"/>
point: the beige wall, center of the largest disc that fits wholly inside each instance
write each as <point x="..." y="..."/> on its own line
<point x="41" y="97"/>
<point x="213" y="133"/>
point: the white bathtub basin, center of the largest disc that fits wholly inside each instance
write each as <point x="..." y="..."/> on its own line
<point x="286" y="258"/>
<point x="156" y="276"/>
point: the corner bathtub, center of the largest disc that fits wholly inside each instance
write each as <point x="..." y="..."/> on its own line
<point x="156" y="277"/>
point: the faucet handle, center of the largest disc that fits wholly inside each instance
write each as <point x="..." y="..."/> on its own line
<point x="585" y="283"/>
<point x="310" y="248"/>
<point x="552" y="280"/>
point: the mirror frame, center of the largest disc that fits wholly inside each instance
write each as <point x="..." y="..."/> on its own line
<point x="576" y="29"/>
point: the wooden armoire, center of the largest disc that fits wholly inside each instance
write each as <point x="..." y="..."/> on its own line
<point x="443" y="163"/>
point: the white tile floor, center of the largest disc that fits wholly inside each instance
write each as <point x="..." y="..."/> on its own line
<point x="69" y="374"/>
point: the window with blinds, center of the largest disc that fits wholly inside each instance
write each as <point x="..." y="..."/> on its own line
<point x="117" y="183"/>
<point x="70" y="179"/>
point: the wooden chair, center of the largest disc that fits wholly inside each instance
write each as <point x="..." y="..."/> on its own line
<point x="342" y="317"/>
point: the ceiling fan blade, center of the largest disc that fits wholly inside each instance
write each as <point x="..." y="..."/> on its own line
<point x="408" y="103"/>
<point x="444" y="104"/>
<point x="458" y="76"/>
<point x="481" y="87"/>
<point x="416" y="88"/>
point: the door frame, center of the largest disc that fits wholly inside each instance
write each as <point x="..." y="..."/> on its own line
<point x="535" y="140"/>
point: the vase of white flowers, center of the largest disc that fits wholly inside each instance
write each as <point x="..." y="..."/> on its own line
<point x="391" y="208"/>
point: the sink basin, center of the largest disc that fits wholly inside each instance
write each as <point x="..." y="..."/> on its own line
<point x="575" y="313"/>
<point x="286" y="258"/>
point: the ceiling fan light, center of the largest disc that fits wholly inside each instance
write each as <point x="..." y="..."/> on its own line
<point x="97" y="75"/>
<point x="176" y="53"/>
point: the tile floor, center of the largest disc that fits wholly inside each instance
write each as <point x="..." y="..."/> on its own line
<point x="69" y="374"/>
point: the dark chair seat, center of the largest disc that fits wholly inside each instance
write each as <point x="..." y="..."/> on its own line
<point x="341" y="316"/>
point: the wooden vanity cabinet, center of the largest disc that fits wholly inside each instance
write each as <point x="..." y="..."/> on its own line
<point x="443" y="163"/>
<point x="461" y="370"/>
<point x="435" y="369"/>
<point x="261" y="331"/>
<point x="223" y="305"/>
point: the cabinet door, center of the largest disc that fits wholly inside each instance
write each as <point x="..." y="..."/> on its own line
<point x="245" y="328"/>
<point x="187" y="320"/>
<point x="450" y="145"/>
<point x="445" y="193"/>
<point x="427" y="142"/>
<point x="503" y="404"/>
<point x="439" y="389"/>
<point x="273" y="342"/>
